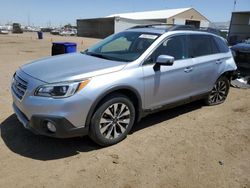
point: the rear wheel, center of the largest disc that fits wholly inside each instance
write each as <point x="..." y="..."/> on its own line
<point x="219" y="92"/>
<point x="113" y="120"/>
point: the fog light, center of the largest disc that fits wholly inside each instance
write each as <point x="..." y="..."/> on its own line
<point x="51" y="127"/>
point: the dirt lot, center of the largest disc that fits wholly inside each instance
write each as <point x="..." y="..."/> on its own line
<point x="189" y="146"/>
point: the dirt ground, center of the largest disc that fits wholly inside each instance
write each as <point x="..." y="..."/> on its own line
<point x="188" y="146"/>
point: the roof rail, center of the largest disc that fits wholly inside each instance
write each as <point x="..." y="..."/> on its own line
<point x="172" y="27"/>
<point x="150" y="25"/>
<point x="182" y="27"/>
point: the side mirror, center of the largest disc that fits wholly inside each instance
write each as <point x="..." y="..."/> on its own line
<point x="165" y="60"/>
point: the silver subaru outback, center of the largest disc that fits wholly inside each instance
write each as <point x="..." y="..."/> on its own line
<point x="103" y="91"/>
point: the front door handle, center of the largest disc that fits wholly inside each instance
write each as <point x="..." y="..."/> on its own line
<point x="188" y="69"/>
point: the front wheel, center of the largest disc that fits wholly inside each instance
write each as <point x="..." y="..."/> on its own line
<point x="219" y="92"/>
<point x="113" y="120"/>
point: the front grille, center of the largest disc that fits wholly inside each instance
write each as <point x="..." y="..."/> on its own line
<point x="19" y="86"/>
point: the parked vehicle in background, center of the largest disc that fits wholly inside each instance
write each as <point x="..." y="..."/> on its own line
<point x="17" y="28"/>
<point x="55" y="32"/>
<point x="241" y="52"/>
<point x="103" y="91"/>
<point x="68" y="32"/>
<point x="46" y="29"/>
<point x="4" y="30"/>
<point x="31" y="29"/>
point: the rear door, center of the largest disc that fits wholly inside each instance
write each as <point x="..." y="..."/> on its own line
<point x="206" y="58"/>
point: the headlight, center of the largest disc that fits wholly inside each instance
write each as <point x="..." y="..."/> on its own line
<point x="60" y="90"/>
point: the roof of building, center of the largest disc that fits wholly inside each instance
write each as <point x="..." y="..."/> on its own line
<point x="158" y="14"/>
<point x="241" y="12"/>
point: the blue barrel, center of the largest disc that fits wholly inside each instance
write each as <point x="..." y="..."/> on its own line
<point x="40" y="35"/>
<point x="70" y="47"/>
<point x="63" y="48"/>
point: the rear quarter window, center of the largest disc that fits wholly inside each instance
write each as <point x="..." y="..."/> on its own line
<point x="221" y="44"/>
<point x="201" y="45"/>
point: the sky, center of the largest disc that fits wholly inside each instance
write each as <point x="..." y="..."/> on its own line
<point x="61" y="12"/>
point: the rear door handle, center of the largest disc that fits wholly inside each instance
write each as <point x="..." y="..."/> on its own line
<point x="188" y="69"/>
<point x="219" y="61"/>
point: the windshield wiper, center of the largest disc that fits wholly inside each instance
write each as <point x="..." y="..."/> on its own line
<point x="103" y="56"/>
<point x="97" y="55"/>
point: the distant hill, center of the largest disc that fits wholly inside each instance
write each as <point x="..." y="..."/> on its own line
<point x="220" y="25"/>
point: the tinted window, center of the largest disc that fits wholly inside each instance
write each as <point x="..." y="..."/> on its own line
<point x="222" y="46"/>
<point x="214" y="47"/>
<point x="173" y="46"/>
<point x="202" y="45"/>
<point x="199" y="47"/>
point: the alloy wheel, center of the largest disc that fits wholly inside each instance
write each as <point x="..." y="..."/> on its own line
<point x="114" y="120"/>
<point x="219" y="92"/>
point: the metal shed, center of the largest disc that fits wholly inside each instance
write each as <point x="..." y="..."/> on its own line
<point x="239" y="29"/>
<point x="95" y="27"/>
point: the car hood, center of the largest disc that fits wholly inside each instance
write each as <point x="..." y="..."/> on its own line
<point x="241" y="47"/>
<point x="69" y="67"/>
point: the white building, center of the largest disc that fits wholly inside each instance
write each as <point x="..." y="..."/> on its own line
<point x="102" y="27"/>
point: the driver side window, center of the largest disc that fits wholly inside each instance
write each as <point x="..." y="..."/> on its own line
<point x="174" y="46"/>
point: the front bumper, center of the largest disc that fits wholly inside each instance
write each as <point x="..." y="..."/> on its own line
<point x="37" y="124"/>
<point x="68" y="114"/>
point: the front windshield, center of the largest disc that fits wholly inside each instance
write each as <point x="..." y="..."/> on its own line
<point x="124" y="46"/>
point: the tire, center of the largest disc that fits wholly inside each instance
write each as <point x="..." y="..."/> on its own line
<point x="219" y="92"/>
<point x="112" y="120"/>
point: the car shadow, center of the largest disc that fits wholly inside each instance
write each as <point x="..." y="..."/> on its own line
<point x="165" y="115"/>
<point x="23" y="142"/>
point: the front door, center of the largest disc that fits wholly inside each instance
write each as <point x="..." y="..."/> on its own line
<point x="168" y="84"/>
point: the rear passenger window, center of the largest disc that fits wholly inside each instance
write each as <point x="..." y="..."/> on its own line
<point x="202" y="45"/>
<point x="222" y="46"/>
